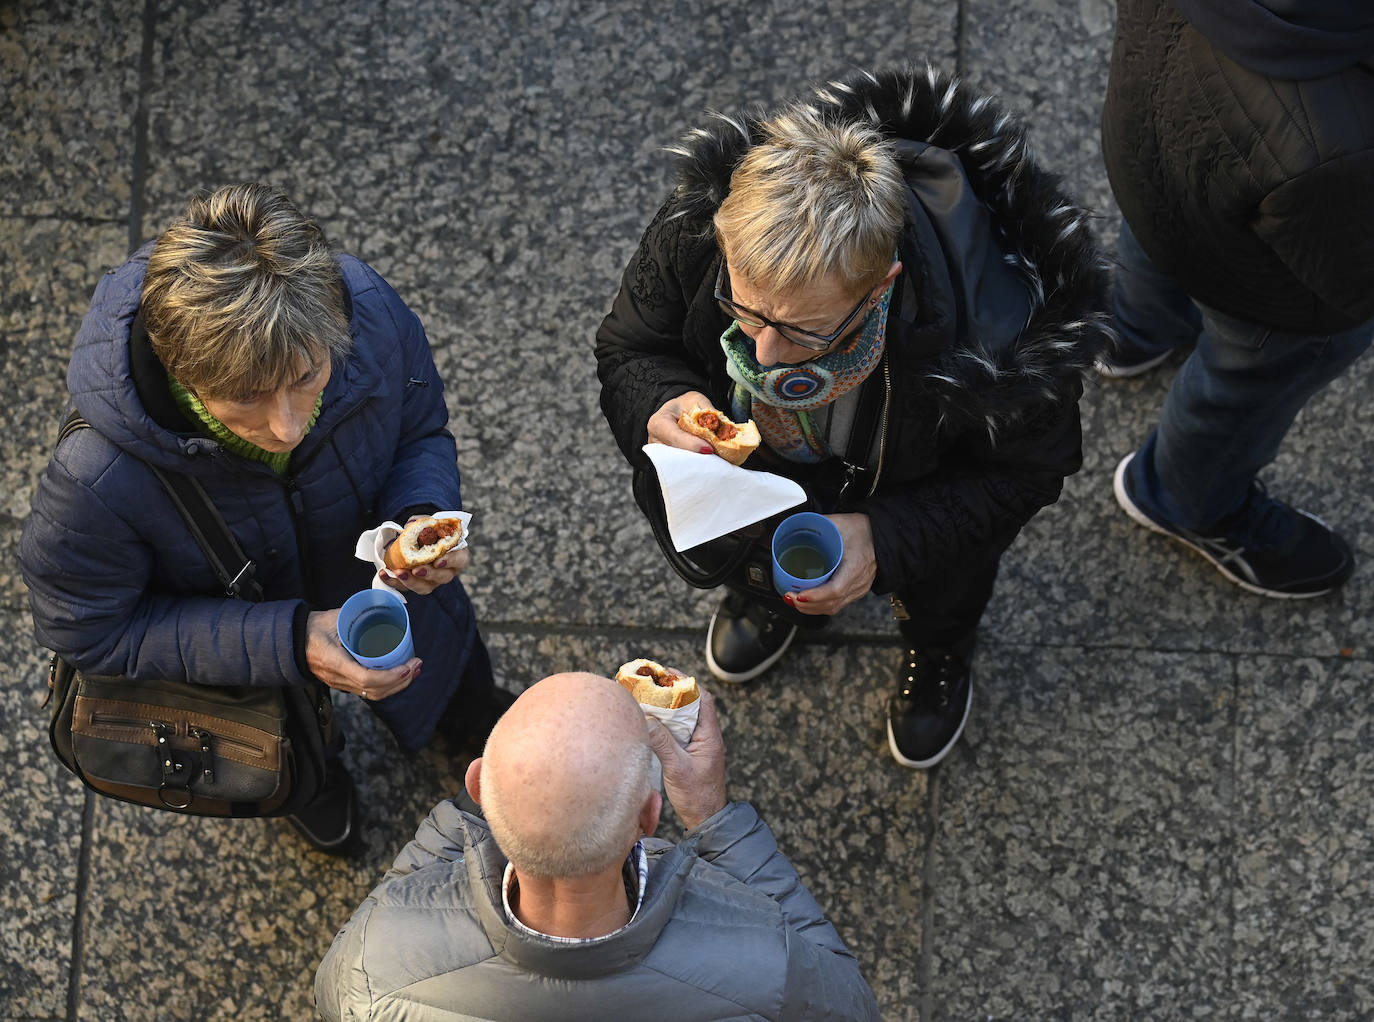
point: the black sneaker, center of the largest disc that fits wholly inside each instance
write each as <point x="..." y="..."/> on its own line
<point x="1265" y="547"/>
<point x="744" y="639"/>
<point x="330" y="821"/>
<point x="927" y="715"/>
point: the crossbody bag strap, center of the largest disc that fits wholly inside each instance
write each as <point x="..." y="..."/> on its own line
<point x="234" y="569"/>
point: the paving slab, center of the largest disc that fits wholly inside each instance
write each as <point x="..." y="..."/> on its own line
<point x="39" y="867"/>
<point x="1304" y="756"/>
<point x="1048" y="61"/>
<point x="1159" y="807"/>
<point x="1083" y="844"/>
<point x="69" y="75"/>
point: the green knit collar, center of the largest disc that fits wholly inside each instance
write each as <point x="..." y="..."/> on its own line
<point x="194" y="410"/>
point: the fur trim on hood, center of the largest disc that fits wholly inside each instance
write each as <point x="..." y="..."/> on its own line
<point x="1046" y="234"/>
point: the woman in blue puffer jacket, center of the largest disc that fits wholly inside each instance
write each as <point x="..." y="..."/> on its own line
<point x="301" y="392"/>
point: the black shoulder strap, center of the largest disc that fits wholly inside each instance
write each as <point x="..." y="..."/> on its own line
<point x="231" y="566"/>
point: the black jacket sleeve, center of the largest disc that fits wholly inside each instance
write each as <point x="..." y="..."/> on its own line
<point x="642" y="357"/>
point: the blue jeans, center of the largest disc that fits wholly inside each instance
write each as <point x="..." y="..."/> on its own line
<point x="1233" y="399"/>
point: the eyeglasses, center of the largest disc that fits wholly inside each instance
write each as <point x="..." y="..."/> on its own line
<point x="802" y="338"/>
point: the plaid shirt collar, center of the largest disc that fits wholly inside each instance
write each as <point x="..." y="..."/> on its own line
<point x="635" y="873"/>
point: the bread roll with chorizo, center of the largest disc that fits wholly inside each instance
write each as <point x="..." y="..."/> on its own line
<point x="652" y="684"/>
<point x="422" y="542"/>
<point x="733" y="441"/>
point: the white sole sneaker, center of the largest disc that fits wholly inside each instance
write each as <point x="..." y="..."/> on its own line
<point x="720" y="674"/>
<point x="1216" y="553"/>
<point x="926" y="764"/>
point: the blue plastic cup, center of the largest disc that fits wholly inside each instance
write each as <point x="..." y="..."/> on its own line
<point x="375" y="629"/>
<point x="807" y="549"/>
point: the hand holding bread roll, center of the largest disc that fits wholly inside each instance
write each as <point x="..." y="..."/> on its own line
<point x="665" y="694"/>
<point x="733" y="441"/>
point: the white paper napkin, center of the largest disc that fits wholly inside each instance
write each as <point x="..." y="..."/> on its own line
<point x="680" y="724"/>
<point x="372" y="545"/>
<point x="705" y="496"/>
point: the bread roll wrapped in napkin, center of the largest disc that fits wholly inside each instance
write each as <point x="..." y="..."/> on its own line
<point x="373" y="544"/>
<point x="666" y="694"/>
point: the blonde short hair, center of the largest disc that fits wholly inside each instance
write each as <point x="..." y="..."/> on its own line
<point x="816" y="197"/>
<point x="605" y="830"/>
<point x="241" y="292"/>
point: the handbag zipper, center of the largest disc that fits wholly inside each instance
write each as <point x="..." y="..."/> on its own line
<point x="201" y="735"/>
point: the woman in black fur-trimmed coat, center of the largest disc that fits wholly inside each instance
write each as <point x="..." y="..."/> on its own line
<point x="887" y="282"/>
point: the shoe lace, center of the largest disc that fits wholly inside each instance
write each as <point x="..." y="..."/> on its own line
<point x="942" y="665"/>
<point x="1263" y="522"/>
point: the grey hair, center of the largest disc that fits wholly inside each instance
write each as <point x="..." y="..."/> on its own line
<point x="816" y="197"/>
<point x="596" y="841"/>
<point x="242" y="293"/>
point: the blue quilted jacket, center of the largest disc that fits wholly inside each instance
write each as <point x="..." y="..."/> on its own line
<point x="116" y="582"/>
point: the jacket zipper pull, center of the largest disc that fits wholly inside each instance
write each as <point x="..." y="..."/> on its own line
<point x="850" y="472"/>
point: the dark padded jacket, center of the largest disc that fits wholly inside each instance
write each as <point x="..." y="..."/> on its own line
<point x="1255" y="194"/>
<point x="116" y="582"/>
<point x="726" y="931"/>
<point x="997" y="312"/>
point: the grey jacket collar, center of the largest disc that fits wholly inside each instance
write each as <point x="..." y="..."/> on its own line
<point x="486" y="865"/>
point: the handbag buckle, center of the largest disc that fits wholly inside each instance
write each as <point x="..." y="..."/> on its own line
<point x="171" y="769"/>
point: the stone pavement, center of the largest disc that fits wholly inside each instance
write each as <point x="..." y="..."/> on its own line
<point x="1161" y="807"/>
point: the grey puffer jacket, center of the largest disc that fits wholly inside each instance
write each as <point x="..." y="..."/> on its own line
<point x="726" y="931"/>
<point x="117" y="584"/>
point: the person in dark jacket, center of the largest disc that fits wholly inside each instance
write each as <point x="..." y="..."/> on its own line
<point x="300" y="391"/>
<point x="1239" y="144"/>
<point x="888" y="283"/>
<point x="561" y="905"/>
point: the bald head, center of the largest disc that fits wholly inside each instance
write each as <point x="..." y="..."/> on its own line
<point x="565" y="776"/>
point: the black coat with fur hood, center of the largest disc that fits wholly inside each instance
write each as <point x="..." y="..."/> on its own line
<point x="996" y="316"/>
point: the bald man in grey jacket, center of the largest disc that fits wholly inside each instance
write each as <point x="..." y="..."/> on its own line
<point x="561" y="905"/>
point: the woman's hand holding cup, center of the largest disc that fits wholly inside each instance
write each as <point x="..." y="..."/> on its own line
<point x="332" y="664"/>
<point x="854" y="576"/>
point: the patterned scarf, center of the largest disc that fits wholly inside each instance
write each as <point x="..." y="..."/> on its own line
<point x="782" y="399"/>
<point x="191" y="406"/>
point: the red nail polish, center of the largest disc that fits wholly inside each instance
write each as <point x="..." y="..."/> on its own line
<point x="787" y="597"/>
<point x="419" y="572"/>
<point x="441" y="564"/>
<point x="803" y="599"/>
<point x="705" y="449"/>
